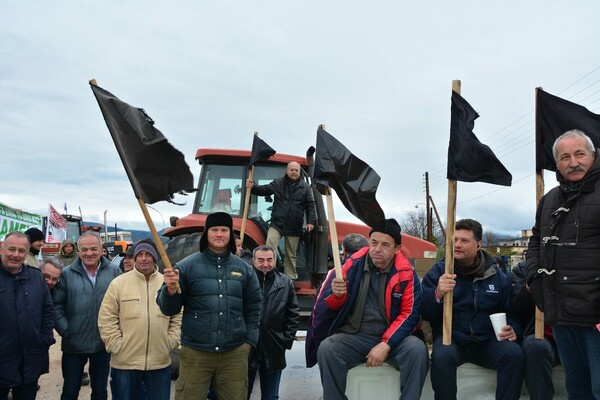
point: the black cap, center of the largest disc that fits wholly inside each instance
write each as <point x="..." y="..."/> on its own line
<point x="392" y="228"/>
<point x="218" y="219"/>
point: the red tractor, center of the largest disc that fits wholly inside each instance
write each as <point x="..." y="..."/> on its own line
<point x="222" y="188"/>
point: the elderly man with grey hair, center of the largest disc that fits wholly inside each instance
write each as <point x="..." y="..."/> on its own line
<point x="562" y="262"/>
<point x="77" y="298"/>
<point x="352" y="243"/>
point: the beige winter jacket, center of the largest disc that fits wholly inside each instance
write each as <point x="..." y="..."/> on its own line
<point x="135" y="332"/>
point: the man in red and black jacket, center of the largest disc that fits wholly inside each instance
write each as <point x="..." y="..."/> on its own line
<point x="368" y="316"/>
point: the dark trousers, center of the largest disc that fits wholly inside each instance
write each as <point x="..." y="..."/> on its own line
<point x="21" y="392"/>
<point x="72" y="369"/>
<point x="142" y="385"/>
<point x="505" y="357"/>
<point x="269" y="382"/>
<point x="579" y="349"/>
<point x="540" y="358"/>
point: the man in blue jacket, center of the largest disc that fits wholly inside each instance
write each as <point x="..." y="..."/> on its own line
<point x="368" y="316"/>
<point x="221" y="301"/>
<point x="479" y="288"/>
<point x="27" y="321"/>
<point x="77" y="299"/>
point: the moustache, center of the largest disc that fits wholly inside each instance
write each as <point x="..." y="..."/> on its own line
<point x="578" y="168"/>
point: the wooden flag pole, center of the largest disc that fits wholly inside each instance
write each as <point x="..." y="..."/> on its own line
<point x="539" y="193"/>
<point x="246" y="205"/>
<point x="247" y="202"/>
<point x="337" y="264"/>
<point x="159" y="244"/>
<point x="450" y="225"/>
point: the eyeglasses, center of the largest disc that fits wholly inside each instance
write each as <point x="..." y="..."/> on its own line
<point x="49" y="278"/>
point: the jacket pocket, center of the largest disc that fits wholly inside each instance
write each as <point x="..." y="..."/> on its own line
<point x="131" y="308"/>
<point x="579" y="293"/>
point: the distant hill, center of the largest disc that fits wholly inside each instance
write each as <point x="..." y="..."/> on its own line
<point x="136" y="234"/>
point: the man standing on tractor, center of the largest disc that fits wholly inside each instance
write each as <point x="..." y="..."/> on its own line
<point x="293" y="199"/>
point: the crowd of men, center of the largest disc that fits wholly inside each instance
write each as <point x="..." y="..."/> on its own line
<point x="233" y="320"/>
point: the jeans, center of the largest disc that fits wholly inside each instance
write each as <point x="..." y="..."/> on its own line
<point x="72" y="369"/>
<point x="342" y="351"/>
<point x="269" y="382"/>
<point x="21" y="392"/>
<point x="540" y="358"/>
<point x="579" y="349"/>
<point x="505" y="357"/>
<point x="142" y="385"/>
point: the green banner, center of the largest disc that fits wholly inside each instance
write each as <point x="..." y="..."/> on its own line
<point x="12" y="220"/>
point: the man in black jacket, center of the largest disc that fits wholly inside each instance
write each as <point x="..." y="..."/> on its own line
<point x="293" y="199"/>
<point x="27" y="321"/>
<point x="279" y="319"/>
<point x="562" y="262"/>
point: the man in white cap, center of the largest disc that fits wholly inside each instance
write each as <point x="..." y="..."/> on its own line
<point x="221" y="301"/>
<point x="136" y="334"/>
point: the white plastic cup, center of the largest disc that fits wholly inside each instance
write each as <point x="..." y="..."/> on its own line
<point x="498" y="321"/>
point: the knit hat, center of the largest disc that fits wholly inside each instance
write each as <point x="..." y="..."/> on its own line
<point x="392" y="228"/>
<point x="34" y="234"/>
<point x="218" y="219"/>
<point x="145" y="246"/>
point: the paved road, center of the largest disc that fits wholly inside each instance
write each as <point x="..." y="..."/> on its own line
<point x="297" y="381"/>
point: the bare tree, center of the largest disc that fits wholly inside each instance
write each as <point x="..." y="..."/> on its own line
<point x="414" y="223"/>
<point x="490" y="238"/>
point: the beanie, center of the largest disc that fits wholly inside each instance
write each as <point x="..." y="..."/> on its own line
<point x="145" y="246"/>
<point x="392" y="228"/>
<point x="218" y="219"/>
<point x="34" y="234"/>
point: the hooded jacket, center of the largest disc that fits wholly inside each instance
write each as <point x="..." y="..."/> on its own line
<point x="292" y="200"/>
<point x="77" y="303"/>
<point x="26" y="330"/>
<point x="562" y="267"/>
<point x="473" y="301"/>
<point x="136" y="333"/>
<point x="64" y="258"/>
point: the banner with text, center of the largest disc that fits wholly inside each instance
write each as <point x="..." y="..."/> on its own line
<point x="57" y="226"/>
<point x="12" y="219"/>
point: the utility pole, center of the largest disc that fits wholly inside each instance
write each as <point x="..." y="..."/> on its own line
<point x="429" y="211"/>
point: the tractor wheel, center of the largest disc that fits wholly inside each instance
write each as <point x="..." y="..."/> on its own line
<point x="180" y="247"/>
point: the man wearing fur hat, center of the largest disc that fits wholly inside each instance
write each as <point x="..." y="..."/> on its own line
<point x="221" y="301"/>
<point x="139" y="337"/>
<point x="368" y="315"/>
<point x="36" y="238"/>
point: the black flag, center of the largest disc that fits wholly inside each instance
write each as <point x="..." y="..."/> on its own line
<point x="155" y="169"/>
<point x="555" y="116"/>
<point x="354" y="181"/>
<point x="469" y="160"/>
<point x="260" y="150"/>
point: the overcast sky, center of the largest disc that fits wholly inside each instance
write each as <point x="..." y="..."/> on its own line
<point x="210" y="73"/>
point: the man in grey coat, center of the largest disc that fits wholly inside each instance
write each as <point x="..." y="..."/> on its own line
<point x="77" y="299"/>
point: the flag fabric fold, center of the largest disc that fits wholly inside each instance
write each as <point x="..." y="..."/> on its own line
<point x="469" y="160"/>
<point x="154" y="167"/>
<point x="260" y="150"/>
<point x="353" y="180"/>
<point x="555" y="116"/>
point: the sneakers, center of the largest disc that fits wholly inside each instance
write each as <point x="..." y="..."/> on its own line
<point x="85" y="379"/>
